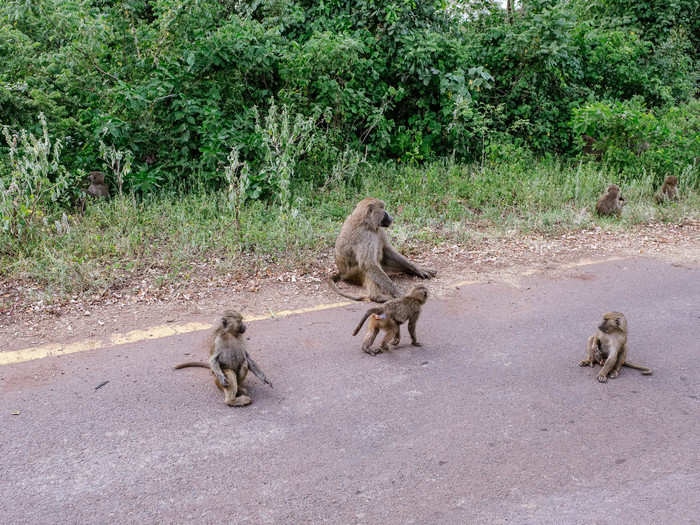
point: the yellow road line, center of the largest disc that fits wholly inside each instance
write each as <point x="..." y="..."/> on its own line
<point x="166" y="330"/>
<point x="134" y="336"/>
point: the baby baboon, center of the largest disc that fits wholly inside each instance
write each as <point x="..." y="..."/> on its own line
<point x="611" y="202"/>
<point x="608" y="347"/>
<point x="668" y="190"/>
<point x="390" y="316"/>
<point x="229" y="361"/>
<point x="364" y="254"/>
<point x="98" y="187"/>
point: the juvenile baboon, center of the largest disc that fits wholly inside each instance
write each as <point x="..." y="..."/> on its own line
<point x="608" y="347"/>
<point x="611" y="202"/>
<point x="668" y="190"/>
<point x="390" y="316"/>
<point x="229" y="360"/>
<point x="98" y="187"/>
<point x="364" y="254"/>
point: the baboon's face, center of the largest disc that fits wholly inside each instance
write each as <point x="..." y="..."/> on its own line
<point x="672" y="180"/>
<point x="614" y="190"/>
<point x="612" y="322"/>
<point x="232" y="322"/>
<point x="375" y="213"/>
<point x="420" y="293"/>
<point x="96" y="177"/>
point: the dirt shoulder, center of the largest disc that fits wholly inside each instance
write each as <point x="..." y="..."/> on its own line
<point x="274" y="287"/>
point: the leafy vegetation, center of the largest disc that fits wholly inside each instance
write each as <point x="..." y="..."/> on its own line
<point x="117" y="240"/>
<point x="260" y="107"/>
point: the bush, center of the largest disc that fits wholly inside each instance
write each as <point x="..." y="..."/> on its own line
<point x="632" y="137"/>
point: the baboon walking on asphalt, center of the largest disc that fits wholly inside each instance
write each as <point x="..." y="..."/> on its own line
<point x="229" y="360"/>
<point x="390" y="316"/>
<point x="364" y="254"/>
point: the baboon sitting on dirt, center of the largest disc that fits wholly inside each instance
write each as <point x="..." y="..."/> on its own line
<point x="364" y="254"/>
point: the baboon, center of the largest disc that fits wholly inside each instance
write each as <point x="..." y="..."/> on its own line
<point x="611" y="202"/>
<point x="589" y="147"/>
<point x="390" y="316"/>
<point x="364" y="254"/>
<point x="608" y="347"/>
<point x="229" y="360"/>
<point x="668" y="190"/>
<point x="98" y="187"/>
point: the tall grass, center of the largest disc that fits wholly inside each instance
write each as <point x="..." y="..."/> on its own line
<point x="168" y="235"/>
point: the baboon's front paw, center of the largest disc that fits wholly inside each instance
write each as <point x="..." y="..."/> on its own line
<point x="395" y="342"/>
<point x="602" y="379"/>
<point x="427" y="273"/>
<point x="416" y="343"/>
<point x="371" y="351"/>
<point x="585" y="363"/>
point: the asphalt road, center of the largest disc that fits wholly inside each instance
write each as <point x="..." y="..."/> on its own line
<point x="491" y="421"/>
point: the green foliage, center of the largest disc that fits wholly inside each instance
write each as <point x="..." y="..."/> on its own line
<point x="125" y="239"/>
<point x="179" y="83"/>
<point x="633" y="137"/>
<point x="35" y="181"/>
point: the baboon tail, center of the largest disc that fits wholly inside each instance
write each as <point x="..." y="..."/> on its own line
<point x="192" y="363"/>
<point x="334" y="279"/>
<point x="253" y="367"/>
<point x="364" y="318"/>
<point x="645" y="371"/>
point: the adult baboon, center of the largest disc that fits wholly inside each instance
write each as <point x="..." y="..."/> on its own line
<point x="608" y="347"/>
<point x="364" y="254"/>
<point x="668" y="190"/>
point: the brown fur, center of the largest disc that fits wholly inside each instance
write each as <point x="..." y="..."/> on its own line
<point x="364" y="254"/>
<point x="608" y="347"/>
<point x="668" y="190"/>
<point x="98" y="187"/>
<point x="390" y="316"/>
<point x="589" y="147"/>
<point x="611" y="202"/>
<point x="229" y="360"/>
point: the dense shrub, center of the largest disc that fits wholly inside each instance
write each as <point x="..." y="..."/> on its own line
<point x="176" y="84"/>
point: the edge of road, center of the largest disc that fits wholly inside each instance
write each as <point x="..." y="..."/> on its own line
<point x="167" y="330"/>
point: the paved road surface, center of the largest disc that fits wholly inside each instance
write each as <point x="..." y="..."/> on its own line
<point x="490" y="422"/>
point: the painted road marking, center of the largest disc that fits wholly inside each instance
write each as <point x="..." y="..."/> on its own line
<point x="134" y="336"/>
<point x="167" y="330"/>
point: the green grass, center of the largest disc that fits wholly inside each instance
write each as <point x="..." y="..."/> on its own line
<point x="168" y="235"/>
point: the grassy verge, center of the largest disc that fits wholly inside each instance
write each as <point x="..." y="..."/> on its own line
<point x="171" y="236"/>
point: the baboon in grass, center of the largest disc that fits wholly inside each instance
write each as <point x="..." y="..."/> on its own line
<point x="98" y="187"/>
<point x="364" y="254"/>
<point x="229" y="360"/>
<point x="608" y="347"/>
<point x="668" y="190"/>
<point x="611" y="202"/>
<point x="390" y="316"/>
